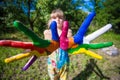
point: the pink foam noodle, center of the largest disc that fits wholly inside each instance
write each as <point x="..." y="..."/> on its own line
<point x="63" y="36"/>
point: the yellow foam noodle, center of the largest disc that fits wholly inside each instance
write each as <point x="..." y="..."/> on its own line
<point x="80" y="51"/>
<point x="17" y="57"/>
<point x="88" y="52"/>
<point x="24" y="55"/>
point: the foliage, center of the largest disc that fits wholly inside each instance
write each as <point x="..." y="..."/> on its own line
<point x="11" y="13"/>
<point x="113" y="9"/>
<point x="75" y="17"/>
<point x="108" y="14"/>
<point x="38" y="19"/>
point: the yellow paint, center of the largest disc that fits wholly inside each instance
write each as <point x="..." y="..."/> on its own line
<point x="24" y="55"/>
<point x="88" y="52"/>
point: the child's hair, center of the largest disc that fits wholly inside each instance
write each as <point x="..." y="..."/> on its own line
<point x="56" y="13"/>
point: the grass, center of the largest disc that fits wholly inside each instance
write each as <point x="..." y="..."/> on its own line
<point x="91" y="69"/>
<point x="82" y="67"/>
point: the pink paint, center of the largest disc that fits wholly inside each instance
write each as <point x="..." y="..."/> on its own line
<point x="63" y="36"/>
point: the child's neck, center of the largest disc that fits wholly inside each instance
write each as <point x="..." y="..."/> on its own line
<point x="59" y="31"/>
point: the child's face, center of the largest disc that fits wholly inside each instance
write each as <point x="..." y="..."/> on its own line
<point x="59" y="21"/>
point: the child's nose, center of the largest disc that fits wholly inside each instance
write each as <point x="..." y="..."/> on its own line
<point x="57" y="18"/>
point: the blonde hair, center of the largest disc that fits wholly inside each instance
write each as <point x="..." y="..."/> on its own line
<point x="56" y="13"/>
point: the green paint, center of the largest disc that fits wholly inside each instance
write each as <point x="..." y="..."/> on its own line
<point x="36" y="40"/>
<point x="91" y="46"/>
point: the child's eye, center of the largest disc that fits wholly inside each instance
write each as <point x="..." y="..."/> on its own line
<point x="54" y="17"/>
<point x="61" y="17"/>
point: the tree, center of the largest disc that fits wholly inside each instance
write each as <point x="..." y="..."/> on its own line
<point x="12" y="12"/>
<point x="108" y="14"/>
<point x="113" y="9"/>
<point x="37" y="19"/>
<point x="75" y="17"/>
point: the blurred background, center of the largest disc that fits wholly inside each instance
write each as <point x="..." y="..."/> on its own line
<point x="35" y="14"/>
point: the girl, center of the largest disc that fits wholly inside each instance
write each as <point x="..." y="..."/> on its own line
<point x="55" y="73"/>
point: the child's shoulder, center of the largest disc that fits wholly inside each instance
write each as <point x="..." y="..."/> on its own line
<point x="69" y="30"/>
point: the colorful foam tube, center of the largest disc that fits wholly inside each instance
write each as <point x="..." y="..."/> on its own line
<point x="63" y="58"/>
<point x="29" y="45"/>
<point x="36" y="40"/>
<point x="63" y="38"/>
<point x="90" y="46"/>
<point x="24" y="55"/>
<point x="54" y="43"/>
<point x="97" y="33"/>
<point x="29" y="63"/>
<point x="53" y="46"/>
<point x="53" y="27"/>
<point x="17" y="57"/>
<point x="83" y="49"/>
<point x="78" y="37"/>
<point x="50" y="49"/>
<point x="49" y="45"/>
<point x="88" y="52"/>
<point x="20" y="44"/>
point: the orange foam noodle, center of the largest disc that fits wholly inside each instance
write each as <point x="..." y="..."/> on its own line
<point x="53" y="46"/>
<point x="72" y="44"/>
